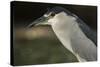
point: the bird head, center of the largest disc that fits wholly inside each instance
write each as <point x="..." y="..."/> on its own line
<point x="53" y="16"/>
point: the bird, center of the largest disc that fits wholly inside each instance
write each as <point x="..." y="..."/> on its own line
<point x="74" y="34"/>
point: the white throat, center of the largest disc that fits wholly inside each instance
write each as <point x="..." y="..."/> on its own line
<point x="62" y="25"/>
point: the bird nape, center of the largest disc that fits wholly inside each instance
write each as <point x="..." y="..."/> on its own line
<point x="75" y="35"/>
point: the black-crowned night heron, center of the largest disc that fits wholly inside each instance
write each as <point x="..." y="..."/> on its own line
<point x="73" y="33"/>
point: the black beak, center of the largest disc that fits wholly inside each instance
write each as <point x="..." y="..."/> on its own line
<point x="37" y="22"/>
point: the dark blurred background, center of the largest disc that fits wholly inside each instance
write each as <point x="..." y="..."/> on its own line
<point x="39" y="45"/>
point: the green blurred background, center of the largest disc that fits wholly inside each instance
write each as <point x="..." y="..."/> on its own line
<point x="39" y="45"/>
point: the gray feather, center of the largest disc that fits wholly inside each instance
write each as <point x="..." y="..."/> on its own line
<point x="91" y="34"/>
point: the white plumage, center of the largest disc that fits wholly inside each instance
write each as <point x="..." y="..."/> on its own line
<point x="72" y="37"/>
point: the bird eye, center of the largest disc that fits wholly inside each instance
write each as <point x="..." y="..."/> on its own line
<point x="52" y="14"/>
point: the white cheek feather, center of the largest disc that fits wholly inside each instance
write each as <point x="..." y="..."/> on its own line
<point x="56" y="19"/>
<point x="62" y="19"/>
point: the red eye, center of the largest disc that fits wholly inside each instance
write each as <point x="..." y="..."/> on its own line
<point x="52" y="14"/>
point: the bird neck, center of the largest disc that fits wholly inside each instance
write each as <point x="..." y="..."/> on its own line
<point x="65" y="31"/>
<point x="64" y="35"/>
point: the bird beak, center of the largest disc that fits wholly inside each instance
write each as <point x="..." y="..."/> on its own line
<point x="40" y="21"/>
